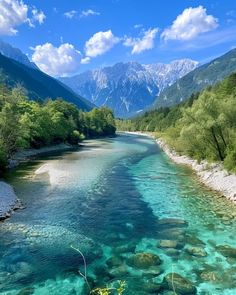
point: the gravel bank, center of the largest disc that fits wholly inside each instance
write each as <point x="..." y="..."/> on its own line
<point x="8" y="200"/>
<point x="213" y="175"/>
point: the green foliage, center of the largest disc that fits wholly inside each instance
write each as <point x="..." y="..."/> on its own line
<point x="39" y="85"/>
<point x="203" y="127"/>
<point x="25" y="123"/>
<point x="109" y="290"/>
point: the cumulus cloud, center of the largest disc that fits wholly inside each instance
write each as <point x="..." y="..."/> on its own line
<point x="189" y="24"/>
<point x="85" y="60"/>
<point x="38" y="16"/>
<point x="89" y="12"/>
<point x="70" y="14"/>
<point x="100" y="43"/>
<point x="141" y="44"/>
<point x="12" y="14"/>
<point x="57" y="61"/>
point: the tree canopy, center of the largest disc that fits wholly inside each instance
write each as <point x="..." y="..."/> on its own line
<point x="25" y="123"/>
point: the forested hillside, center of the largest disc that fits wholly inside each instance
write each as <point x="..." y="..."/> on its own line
<point x="39" y="86"/>
<point x="204" y="127"/>
<point x="197" y="80"/>
<point x="25" y="123"/>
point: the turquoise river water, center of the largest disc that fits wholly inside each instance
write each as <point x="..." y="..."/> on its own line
<point x="114" y="199"/>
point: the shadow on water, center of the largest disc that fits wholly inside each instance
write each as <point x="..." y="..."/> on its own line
<point x="114" y="199"/>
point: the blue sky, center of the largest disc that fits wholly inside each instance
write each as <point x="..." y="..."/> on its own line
<point x="65" y="37"/>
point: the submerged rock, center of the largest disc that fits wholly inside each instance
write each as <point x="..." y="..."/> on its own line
<point x="150" y="286"/>
<point x="226" y="251"/>
<point x="118" y="272"/>
<point x="210" y="276"/>
<point x="196" y="251"/>
<point x="178" y="284"/>
<point x="193" y="240"/>
<point x="125" y="248"/>
<point x="172" y="234"/>
<point x="172" y="222"/>
<point x="152" y="271"/>
<point x="168" y="244"/>
<point x="144" y="260"/>
<point x="114" y="261"/>
<point x="172" y="252"/>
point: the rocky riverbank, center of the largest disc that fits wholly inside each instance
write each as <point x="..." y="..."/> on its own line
<point x="213" y="175"/>
<point x="8" y="200"/>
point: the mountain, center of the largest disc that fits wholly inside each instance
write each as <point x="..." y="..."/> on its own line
<point x="7" y="50"/>
<point x="39" y="86"/>
<point x="128" y="88"/>
<point x="197" y="80"/>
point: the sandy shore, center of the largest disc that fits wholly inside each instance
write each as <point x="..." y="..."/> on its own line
<point x="8" y="199"/>
<point x="212" y="175"/>
<point x="27" y="154"/>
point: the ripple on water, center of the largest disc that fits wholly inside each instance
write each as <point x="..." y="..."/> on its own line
<point x="113" y="200"/>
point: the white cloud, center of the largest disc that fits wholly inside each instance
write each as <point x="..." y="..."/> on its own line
<point x="57" y="61"/>
<point x="38" y="16"/>
<point x="12" y="14"/>
<point x="85" y="60"/>
<point x="141" y="44"/>
<point x="70" y="14"/>
<point x="189" y="24"/>
<point x="138" y="26"/>
<point x="89" y="12"/>
<point x="100" y="43"/>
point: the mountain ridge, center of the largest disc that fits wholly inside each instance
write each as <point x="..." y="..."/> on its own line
<point x="195" y="81"/>
<point x="9" y="51"/>
<point x="39" y="86"/>
<point x="129" y="87"/>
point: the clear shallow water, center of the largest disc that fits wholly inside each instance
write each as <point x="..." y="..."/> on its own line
<point x="112" y="199"/>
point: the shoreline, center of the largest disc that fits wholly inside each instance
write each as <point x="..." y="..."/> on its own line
<point x="212" y="175"/>
<point x="26" y="155"/>
<point x="9" y="202"/>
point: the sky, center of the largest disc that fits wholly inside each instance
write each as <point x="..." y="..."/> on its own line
<point x="66" y="37"/>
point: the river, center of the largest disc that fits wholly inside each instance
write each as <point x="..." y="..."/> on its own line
<point x="114" y="199"/>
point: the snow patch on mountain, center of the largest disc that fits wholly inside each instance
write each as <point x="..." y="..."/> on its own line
<point x="128" y="87"/>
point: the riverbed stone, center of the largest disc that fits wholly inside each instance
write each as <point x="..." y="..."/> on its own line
<point x="125" y="248"/>
<point x="119" y="272"/>
<point x="196" y="251"/>
<point x="226" y="251"/>
<point x="152" y="271"/>
<point x="171" y="234"/>
<point x="172" y="222"/>
<point x="114" y="261"/>
<point x="151" y="287"/>
<point x="168" y="244"/>
<point x="193" y="240"/>
<point x="172" y="252"/>
<point x="210" y="276"/>
<point x="144" y="260"/>
<point x="175" y="282"/>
